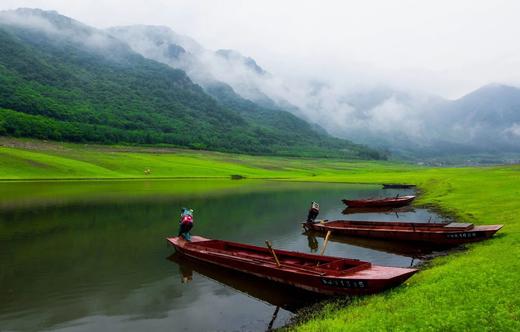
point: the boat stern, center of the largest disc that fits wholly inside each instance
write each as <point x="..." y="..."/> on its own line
<point x="379" y="278"/>
<point x="488" y="230"/>
<point x="367" y="281"/>
<point x="180" y="242"/>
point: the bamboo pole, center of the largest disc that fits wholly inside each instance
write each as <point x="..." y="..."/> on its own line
<point x="270" y="247"/>
<point x="325" y="243"/>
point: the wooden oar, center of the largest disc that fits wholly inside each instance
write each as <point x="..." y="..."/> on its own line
<point x="270" y="247"/>
<point x="325" y="243"/>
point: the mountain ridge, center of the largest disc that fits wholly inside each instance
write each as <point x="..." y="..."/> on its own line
<point x="55" y="86"/>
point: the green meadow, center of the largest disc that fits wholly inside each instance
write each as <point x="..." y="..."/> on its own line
<point x="472" y="290"/>
<point x="476" y="289"/>
<point x="36" y="160"/>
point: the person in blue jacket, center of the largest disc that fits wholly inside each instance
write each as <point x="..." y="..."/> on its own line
<point x="186" y="223"/>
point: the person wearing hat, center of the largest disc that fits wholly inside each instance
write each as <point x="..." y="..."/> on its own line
<point x="186" y="223"/>
<point x="313" y="212"/>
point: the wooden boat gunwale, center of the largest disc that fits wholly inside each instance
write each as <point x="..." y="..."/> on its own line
<point x="330" y="277"/>
<point x="436" y="233"/>
<point x="318" y="264"/>
<point x="379" y="202"/>
<point x="398" y="186"/>
<point x="395" y="225"/>
<point x="378" y="210"/>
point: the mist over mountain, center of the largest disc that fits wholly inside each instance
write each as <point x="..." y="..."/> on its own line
<point x="484" y="121"/>
<point x="404" y="122"/>
<point x="203" y="66"/>
<point x="61" y="79"/>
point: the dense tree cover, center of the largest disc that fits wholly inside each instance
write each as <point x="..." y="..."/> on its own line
<point x="54" y="87"/>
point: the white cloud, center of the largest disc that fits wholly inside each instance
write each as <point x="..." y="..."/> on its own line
<point x="323" y="55"/>
<point x="444" y="47"/>
<point x="27" y="19"/>
<point x="514" y="130"/>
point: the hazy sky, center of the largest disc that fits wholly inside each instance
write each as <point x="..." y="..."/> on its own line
<point x="442" y="47"/>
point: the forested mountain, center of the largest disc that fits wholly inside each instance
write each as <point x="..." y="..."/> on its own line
<point x="164" y="45"/>
<point x="63" y="80"/>
<point x="409" y="124"/>
<point x="205" y="67"/>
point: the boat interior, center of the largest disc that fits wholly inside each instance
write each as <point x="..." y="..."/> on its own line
<point x="401" y="225"/>
<point x="354" y="210"/>
<point x="288" y="258"/>
<point x="395" y="198"/>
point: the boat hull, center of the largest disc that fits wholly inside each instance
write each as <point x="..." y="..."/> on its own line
<point x="414" y="232"/>
<point x="379" y="203"/>
<point x="274" y="293"/>
<point x="367" y="279"/>
<point x="387" y="210"/>
<point x="398" y="186"/>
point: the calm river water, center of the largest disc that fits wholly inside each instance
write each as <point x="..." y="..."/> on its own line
<point x="83" y="256"/>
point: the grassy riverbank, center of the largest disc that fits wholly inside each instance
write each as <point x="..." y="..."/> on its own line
<point x="32" y="159"/>
<point x="474" y="289"/>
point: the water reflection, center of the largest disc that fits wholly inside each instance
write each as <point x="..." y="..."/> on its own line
<point x="406" y="214"/>
<point x="391" y="211"/>
<point x="417" y="252"/>
<point x="90" y="255"/>
<point x="276" y="294"/>
<point x="312" y="242"/>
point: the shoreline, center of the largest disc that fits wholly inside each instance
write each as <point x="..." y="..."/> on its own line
<point x="479" y="281"/>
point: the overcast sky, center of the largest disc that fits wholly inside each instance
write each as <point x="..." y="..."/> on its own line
<point x="443" y="47"/>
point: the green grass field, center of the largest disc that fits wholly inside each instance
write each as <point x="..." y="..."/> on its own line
<point x="31" y="159"/>
<point x="472" y="290"/>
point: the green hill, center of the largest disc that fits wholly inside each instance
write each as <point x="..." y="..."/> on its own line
<point x="63" y="80"/>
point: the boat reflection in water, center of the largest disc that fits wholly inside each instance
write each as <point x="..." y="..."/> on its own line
<point x="416" y="253"/>
<point x="385" y="210"/>
<point x="383" y="202"/>
<point x="279" y="295"/>
<point x="313" y="243"/>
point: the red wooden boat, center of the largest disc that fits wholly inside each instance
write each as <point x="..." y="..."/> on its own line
<point x="434" y="233"/>
<point x="401" y="248"/>
<point x="274" y="293"/>
<point x="321" y="274"/>
<point x="379" y="202"/>
<point x="387" y="210"/>
<point x="398" y="186"/>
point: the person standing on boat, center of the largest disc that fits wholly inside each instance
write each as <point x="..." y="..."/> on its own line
<point x="186" y="223"/>
<point x="313" y="212"/>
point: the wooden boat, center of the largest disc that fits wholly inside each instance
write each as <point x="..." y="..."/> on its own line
<point x="386" y="210"/>
<point x="274" y="293"/>
<point x="397" y="186"/>
<point x="320" y="274"/>
<point x="401" y="248"/>
<point x="379" y="202"/>
<point x="433" y="233"/>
